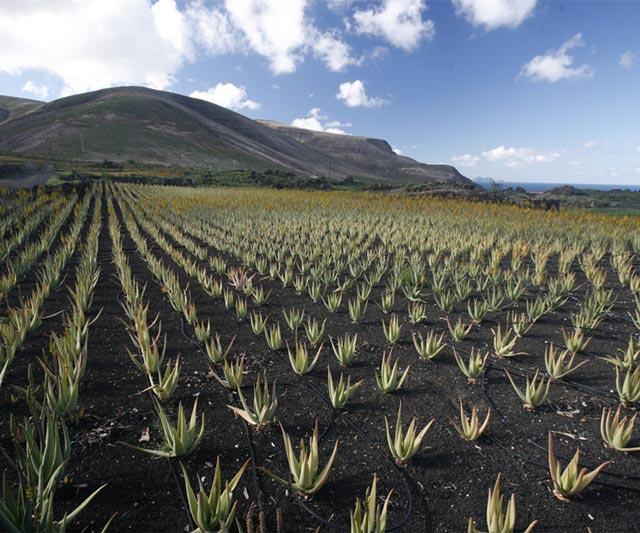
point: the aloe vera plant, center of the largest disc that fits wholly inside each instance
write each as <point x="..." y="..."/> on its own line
<point x="392" y="330"/>
<point x="265" y="404"/>
<point x="499" y="520"/>
<point x="301" y="362"/>
<point x="504" y="343"/>
<point x="470" y="428"/>
<point x="629" y="388"/>
<point x="535" y="393"/>
<point x="232" y="373"/>
<point x="474" y="367"/>
<point x="405" y="444"/>
<point x="430" y="347"/>
<point x="389" y="379"/>
<point x="369" y="516"/>
<point x="306" y="480"/>
<point x="339" y="394"/>
<point x="345" y="349"/>
<point x="213" y="512"/>
<point x="616" y="433"/>
<point x="570" y="481"/>
<point x="557" y="365"/>
<point x="183" y="438"/>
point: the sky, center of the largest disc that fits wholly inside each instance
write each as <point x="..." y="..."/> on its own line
<point x="513" y="90"/>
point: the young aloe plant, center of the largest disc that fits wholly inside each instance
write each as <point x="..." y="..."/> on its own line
<point x="569" y="482"/>
<point x="535" y="393"/>
<point x="430" y="347"/>
<point x="403" y="446"/>
<point x="232" y="373"/>
<point x="345" y="349"/>
<point x="575" y="341"/>
<point x="333" y="301"/>
<point x="203" y="331"/>
<point x="166" y="383"/>
<point x="301" y="362"/>
<point x="392" y="330"/>
<point x="386" y="300"/>
<point x="264" y="404"/>
<point x="499" y="521"/>
<point x="293" y="317"/>
<point x="474" y="367"/>
<point x="369" y="516"/>
<point x="305" y="478"/>
<point x="273" y="337"/>
<point x="339" y="395"/>
<point x="557" y="365"/>
<point x="629" y="388"/>
<point x="616" y="433"/>
<point x="629" y="356"/>
<point x="417" y="312"/>
<point x="258" y="323"/>
<point x="314" y="330"/>
<point x="357" y="309"/>
<point x="179" y="440"/>
<point x="470" y="428"/>
<point x="215" y="351"/>
<point x="213" y="512"/>
<point x="503" y="343"/>
<point x="459" y="330"/>
<point x="389" y="379"/>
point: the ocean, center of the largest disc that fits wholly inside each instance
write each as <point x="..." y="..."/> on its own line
<point x="541" y="187"/>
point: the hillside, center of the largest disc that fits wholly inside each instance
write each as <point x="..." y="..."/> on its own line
<point x="157" y="127"/>
<point x="374" y="156"/>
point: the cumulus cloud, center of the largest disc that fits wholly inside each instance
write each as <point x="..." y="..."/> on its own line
<point x="39" y="91"/>
<point x="397" y="150"/>
<point x="94" y="44"/>
<point x="333" y="52"/>
<point x="227" y="95"/>
<point x="466" y="160"/>
<point x="353" y="94"/>
<point x="557" y="65"/>
<point x="627" y="59"/>
<point x="398" y="21"/>
<point x="314" y="121"/>
<point x="91" y="44"/>
<point x="274" y="29"/>
<point x="517" y="157"/>
<point x="495" y="13"/>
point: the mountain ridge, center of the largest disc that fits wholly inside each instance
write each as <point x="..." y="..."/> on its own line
<point x="157" y="127"/>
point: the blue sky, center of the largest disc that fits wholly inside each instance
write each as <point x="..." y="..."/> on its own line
<point x="517" y="90"/>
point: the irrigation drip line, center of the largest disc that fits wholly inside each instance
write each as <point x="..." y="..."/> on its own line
<point x="522" y="457"/>
<point x="531" y="440"/>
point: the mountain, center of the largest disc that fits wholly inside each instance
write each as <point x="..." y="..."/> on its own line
<point x="157" y="127"/>
<point x="375" y="156"/>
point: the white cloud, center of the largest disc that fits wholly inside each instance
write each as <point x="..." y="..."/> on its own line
<point x="466" y="160"/>
<point x="398" y="21"/>
<point x="627" y="59"/>
<point x="517" y="157"/>
<point x="595" y="144"/>
<point x="40" y="91"/>
<point x="313" y="121"/>
<point x="638" y="148"/>
<point x="274" y="29"/>
<point x="495" y="13"/>
<point x="397" y="151"/>
<point x="94" y="44"/>
<point x="227" y="95"/>
<point x="556" y="65"/>
<point x="333" y="52"/>
<point x="353" y="94"/>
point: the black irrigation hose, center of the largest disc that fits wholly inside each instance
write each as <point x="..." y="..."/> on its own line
<point x="409" y="509"/>
<point x="524" y="458"/>
<point x="311" y="387"/>
<point x="531" y="441"/>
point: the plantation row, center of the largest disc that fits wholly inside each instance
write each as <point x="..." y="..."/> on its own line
<point x="422" y="351"/>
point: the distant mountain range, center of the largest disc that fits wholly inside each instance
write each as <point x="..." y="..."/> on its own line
<point x="157" y="127"/>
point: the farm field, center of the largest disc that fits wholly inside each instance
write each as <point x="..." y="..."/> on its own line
<point x="126" y="306"/>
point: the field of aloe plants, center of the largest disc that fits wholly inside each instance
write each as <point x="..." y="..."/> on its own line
<point x="177" y="359"/>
